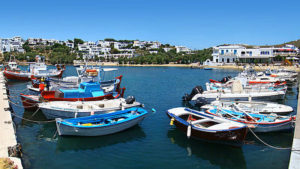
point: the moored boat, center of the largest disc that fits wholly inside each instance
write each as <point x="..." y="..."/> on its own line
<point x="251" y="107"/>
<point x="257" y="122"/>
<point x="237" y="92"/>
<point x="38" y="70"/>
<point x="200" y="125"/>
<point x="87" y="91"/>
<point x="103" y="124"/>
<point x="63" y="109"/>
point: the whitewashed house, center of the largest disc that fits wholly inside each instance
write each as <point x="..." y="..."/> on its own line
<point x="232" y="53"/>
<point x="182" y="49"/>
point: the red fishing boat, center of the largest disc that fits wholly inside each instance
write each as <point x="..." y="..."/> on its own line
<point x="87" y="91"/>
<point x="37" y="69"/>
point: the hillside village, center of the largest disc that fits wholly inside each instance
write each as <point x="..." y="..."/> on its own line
<point x="107" y="48"/>
<point x="143" y="52"/>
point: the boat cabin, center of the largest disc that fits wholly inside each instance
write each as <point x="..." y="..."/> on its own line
<point x="85" y="89"/>
<point x="13" y="66"/>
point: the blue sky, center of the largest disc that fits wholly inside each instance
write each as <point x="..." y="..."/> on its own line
<point x="194" y="23"/>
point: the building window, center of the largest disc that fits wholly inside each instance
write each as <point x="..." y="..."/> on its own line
<point x="222" y="59"/>
<point x="228" y="60"/>
<point x="235" y="51"/>
<point x="222" y="52"/>
<point x="226" y="51"/>
<point x="217" y="60"/>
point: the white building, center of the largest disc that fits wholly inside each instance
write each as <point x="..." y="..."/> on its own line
<point x="167" y="49"/>
<point x="139" y="44"/>
<point x="69" y="44"/>
<point x="119" y="45"/>
<point x="104" y="44"/>
<point x="182" y="49"/>
<point x="233" y="53"/>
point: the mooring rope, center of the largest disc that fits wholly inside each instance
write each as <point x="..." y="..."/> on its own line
<point x="10" y="90"/>
<point x="16" y="104"/>
<point x="35" y="112"/>
<point x="50" y="121"/>
<point x="278" y="148"/>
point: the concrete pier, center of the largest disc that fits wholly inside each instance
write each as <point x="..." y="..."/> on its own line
<point x="7" y="133"/>
<point x="295" y="153"/>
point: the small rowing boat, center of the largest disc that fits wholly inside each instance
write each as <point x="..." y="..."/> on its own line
<point x="257" y="122"/>
<point x="207" y="127"/>
<point x="251" y="107"/>
<point x="103" y="124"/>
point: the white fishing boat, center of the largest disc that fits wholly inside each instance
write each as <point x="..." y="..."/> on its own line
<point x="66" y="109"/>
<point x="251" y="107"/>
<point x="237" y="92"/>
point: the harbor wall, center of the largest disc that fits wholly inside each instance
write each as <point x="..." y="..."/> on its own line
<point x="295" y="152"/>
<point x="7" y="131"/>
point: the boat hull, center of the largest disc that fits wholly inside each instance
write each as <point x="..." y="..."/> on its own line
<point x="233" y="137"/>
<point x="264" y="127"/>
<point x="97" y="131"/>
<point x="55" y="113"/>
<point x="27" y="76"/>
<point x="241" y="97"/>
<point x="16" y="76"/>
<point x="30" y="101"/>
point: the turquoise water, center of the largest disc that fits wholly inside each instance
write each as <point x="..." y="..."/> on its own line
<point x="153" y="143"/>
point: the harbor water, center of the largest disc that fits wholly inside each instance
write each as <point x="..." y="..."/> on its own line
<point x="153" y="143"/>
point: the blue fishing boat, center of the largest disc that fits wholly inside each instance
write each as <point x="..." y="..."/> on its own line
<point x="103" y="124"/>
<point x="257" y="122"/>
<point x="208" y="68"/>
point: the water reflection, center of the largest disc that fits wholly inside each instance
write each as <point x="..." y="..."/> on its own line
<point x="73" y="143"/>
<point x="32" y="117"/>
<point x="220" y="155"/>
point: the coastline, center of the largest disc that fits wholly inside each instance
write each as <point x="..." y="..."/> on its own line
<point x="233" y="67"/>
<point x="193" y="65"/>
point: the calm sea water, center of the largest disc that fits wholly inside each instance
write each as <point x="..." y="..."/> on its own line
<point x="153" y="143"/>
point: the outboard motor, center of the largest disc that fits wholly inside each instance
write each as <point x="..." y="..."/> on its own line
<point x="196" y="90"/>
<point x="200" y="102"/>
<point x="130" y="100"/>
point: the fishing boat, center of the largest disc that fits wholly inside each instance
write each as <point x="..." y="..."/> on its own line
<point x="37" y="69"/>
<point x="87" y="91"/>
<point x="208" y="68"/>
<point x="249" y="87"/>
<point x="257" y="122"/>
<point x="72" y="82"/>
<point x="103" y="124"/>
<point x="200" y="125"/>
<point x="63" y="109"/>
<point x="236" y="92"/>
<point x="251" y="107"/>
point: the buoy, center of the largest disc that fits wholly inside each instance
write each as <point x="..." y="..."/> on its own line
<point x="189" y="131"/>
<point x="153" y="110"/>
<point x="172" y="121"/>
